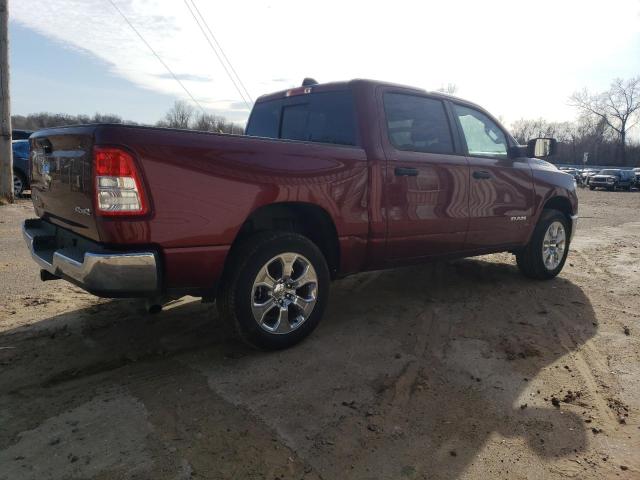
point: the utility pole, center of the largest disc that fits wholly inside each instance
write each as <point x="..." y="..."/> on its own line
<point x="6" y="152"/>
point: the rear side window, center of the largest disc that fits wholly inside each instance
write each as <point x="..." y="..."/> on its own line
<point x="265" y="120"/>
<point x="417" y="123"/>
<point x="327" y="117"/>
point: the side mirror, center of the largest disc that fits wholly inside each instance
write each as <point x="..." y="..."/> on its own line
<point x="541" y="147"/>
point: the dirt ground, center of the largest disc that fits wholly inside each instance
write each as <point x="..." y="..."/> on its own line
<point x="462" y="369"/>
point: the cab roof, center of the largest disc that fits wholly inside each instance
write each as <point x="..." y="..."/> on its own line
<point x="358" y="83"/>
<point x="343" y="85"/>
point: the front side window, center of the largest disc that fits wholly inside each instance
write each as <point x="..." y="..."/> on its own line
<point x="417" y="124"/>
<point x="484" y="138"/>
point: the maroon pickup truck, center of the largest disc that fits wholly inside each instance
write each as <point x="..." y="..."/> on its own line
<point x="329" y="180"/>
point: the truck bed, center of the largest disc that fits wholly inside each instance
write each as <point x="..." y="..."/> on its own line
<point x="201" y="187"/>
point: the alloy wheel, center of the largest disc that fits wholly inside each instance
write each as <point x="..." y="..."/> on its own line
<point x="284" y="293"/>
<point x="554" y="245"/>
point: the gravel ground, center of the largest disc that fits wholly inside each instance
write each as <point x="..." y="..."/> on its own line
<point x="451" y="370"/>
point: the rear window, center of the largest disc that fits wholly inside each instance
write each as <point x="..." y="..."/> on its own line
<point x="326" y="117"/>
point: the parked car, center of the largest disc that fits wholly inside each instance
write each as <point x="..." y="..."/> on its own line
<point x="20" y="166"/>
<point x="612" y="178"/>
<point x="587" y="174"/>
<point x="574" y="172"/>
<point x="330" y="180"/>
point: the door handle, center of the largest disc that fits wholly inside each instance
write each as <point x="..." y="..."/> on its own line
<point x="405" y="172"/>
<point x="481" y="175"/>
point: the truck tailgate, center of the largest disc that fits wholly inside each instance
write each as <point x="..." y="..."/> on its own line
<point x="61" y="178"/>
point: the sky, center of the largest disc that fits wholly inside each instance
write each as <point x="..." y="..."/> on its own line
<point x="518" y="59"/>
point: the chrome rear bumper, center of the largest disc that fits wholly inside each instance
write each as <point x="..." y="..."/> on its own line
<point x="98" y="270"/>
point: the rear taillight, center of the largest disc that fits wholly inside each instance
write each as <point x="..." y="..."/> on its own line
<point x="119" y="189"/>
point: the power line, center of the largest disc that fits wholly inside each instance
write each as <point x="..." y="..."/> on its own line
<point x="231" y="77"/>
<point x="206" y="24"/>
<point x="156" y="55"/>
<point x="215" y="51"/>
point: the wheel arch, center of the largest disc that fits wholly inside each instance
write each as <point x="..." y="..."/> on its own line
<point x="561" y="204"/>
<point x="307" y="219"/>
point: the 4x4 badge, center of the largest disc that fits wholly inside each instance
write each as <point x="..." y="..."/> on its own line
<point x="82" y="211"/>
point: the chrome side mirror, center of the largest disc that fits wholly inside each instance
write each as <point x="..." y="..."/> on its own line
<point x="541" y="147"/>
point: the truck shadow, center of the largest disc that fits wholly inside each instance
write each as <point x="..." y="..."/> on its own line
<point x="465" y="342"/>
<point x="413" y="371"/>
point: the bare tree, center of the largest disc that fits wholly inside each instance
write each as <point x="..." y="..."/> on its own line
<point x="450" y="89"/>
<point x="524" y="130"/>
<point x="179" y="116"/>
<point x="618" y="108"/>
<point x="214" y="123"/>
<point x="36" y="121"/>
<point x="204" y="122"/>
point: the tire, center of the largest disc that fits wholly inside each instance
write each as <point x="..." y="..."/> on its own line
<point x="19" y="184"/>
<point x="531" y="259"/>
<point x="238" y="295"/>
<point x="591" y="187"/>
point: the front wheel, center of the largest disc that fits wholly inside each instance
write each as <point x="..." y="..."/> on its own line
<point x="275" y="290"/>
<point x="546" y="253"/>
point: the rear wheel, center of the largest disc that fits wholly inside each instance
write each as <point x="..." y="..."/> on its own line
<point x="546" y="253"/>
<point x="276" y="289"/>
<point x="591" y="187"/>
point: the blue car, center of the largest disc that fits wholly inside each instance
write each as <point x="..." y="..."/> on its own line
<point x="20" y="166"/>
